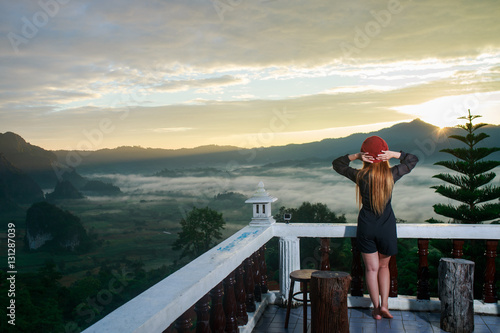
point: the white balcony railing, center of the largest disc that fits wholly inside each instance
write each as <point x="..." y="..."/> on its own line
<point x="158" y="307"/>
<point x="172" y="299"/>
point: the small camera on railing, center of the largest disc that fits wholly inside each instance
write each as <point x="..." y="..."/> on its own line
<point x="287" y="217"/>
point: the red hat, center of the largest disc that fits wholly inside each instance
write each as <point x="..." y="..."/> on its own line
<point x="374" y="145"/>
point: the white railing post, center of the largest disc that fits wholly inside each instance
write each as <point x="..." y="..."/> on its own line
<point x="289" y="262"/>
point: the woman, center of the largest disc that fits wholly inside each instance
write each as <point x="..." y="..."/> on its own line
<point x="376" y="232"/>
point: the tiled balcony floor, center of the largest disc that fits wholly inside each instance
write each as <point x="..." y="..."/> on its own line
<point x="360" y="320"/>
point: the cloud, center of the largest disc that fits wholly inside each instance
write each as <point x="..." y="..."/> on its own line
<point x="175" y="34"/>
<point x="245" y="96"/>
<point x="180" y="85"/>
<point x="412" y="198"/>
<point x="171" y="129"/>
<point x="260" y="122"/>
<point x="180" y="64"/>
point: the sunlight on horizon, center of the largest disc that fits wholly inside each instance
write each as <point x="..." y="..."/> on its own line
<point x="445" y="111"/>
<point x="302" y="137"/>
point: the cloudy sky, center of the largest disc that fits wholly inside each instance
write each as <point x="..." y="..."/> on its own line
<point x="174" y="73"/>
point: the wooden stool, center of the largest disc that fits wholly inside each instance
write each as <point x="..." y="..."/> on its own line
<point x="328" y="296"/>
<point x="456" y="292"/>
<point x="303" y="276"/>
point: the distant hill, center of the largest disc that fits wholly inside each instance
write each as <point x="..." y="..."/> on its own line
<point x="147" y="160"/>
<point x="64" y="190"/>
<point x="44" y="170"/>
<point x="97" y="187"/>
<point x="33" y="160"/>
<point x="16" y="187"/>
<point x="6" y="202"/>
<point x="49" y="227"/>
<point x="417" y="137"/>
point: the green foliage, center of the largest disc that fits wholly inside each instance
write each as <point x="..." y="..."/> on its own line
<point x="201" y="228"/>
<point x="310" y="256"/>
<point x="44" y="305"/>
<point x="310" y="213"/>
<point x="470" y="187"/>
<point x="36" y="299"/>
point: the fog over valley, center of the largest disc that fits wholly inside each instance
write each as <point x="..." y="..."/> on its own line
<point x="412" y="198"/>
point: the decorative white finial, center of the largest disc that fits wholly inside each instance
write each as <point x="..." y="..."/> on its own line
<point x="261" y="201"/>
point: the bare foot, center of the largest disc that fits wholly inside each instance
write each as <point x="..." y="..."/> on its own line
<point x="385" y="313"/>
<point x="376" y="314"/>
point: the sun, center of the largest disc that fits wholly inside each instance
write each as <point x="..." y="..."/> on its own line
<point x="441" y="112"/>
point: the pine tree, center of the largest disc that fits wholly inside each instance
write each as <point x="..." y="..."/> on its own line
<point x="470" y="186"/>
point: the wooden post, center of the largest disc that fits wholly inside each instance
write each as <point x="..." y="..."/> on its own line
<point x="256" y="276"/>
<point x="325" y="254"/>
<point x="329" y="291"/>
<point x="217" y="316"/>
<point x="202" y="308"/>
<point x="423" y="270"/>
<point x="456" y="280"/>
<point x="249" y="285"/>
<point x="230" y="304"/>
<point x="356" y="270"/>
<point x="489" y="294"/>
<point x="263" y="270"/>
<point x="184" y="323"/>
<point x="393" y="270"/>
<point x="241" y="296"/>
<point x="458" y="248"/>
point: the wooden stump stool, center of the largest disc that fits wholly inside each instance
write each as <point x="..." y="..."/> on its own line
<point x="456" y="280"/>
<point x="329" y="302"/>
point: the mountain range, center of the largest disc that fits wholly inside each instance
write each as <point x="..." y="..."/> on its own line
<point x="417" y="137"/>
<point x="47" y="168"/>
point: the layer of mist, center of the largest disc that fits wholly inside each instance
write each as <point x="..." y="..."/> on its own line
<point x="412" y="198"/>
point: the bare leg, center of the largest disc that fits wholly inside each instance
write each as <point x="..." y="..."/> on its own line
<point x="384" y="282"/>
<point x="371" y="261"/>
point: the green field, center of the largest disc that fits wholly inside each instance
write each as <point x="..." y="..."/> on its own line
<point x="125" y="229"/>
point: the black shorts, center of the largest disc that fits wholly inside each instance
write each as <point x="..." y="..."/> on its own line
<point x="377" y="233"/>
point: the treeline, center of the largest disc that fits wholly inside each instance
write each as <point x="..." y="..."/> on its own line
<point x="341" y="255"/>
<point x="43" y="304"/>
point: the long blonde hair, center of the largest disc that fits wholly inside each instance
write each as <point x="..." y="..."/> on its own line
<point x="380" y="184"/>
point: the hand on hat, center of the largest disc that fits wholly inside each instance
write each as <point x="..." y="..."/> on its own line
<point x="387" y="155"/>
<point x="365" y="157"/>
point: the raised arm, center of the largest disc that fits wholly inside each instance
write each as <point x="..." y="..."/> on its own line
<point x="341" y="164"/>
<point x="407" y="162"/>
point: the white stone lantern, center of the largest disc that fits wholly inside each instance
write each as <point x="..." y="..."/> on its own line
<point x="261" y="201"/>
